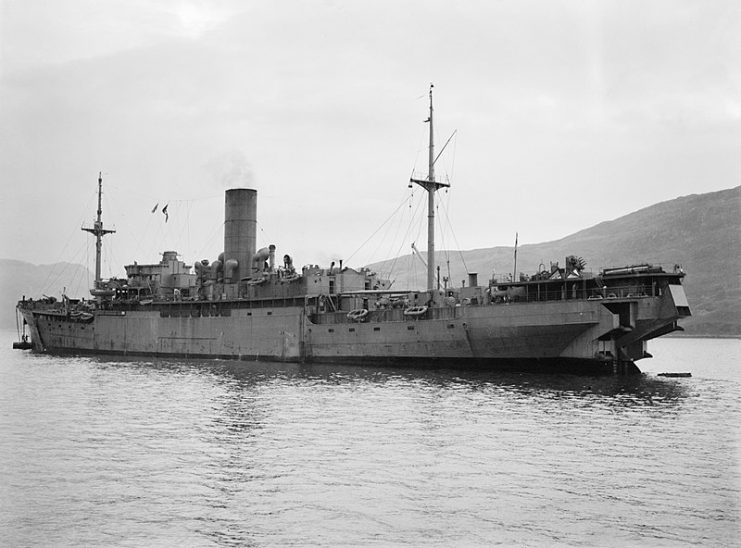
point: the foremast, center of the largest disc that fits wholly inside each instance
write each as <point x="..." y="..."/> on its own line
<point x="431" y="186"/>
<point x="98" y="231"/>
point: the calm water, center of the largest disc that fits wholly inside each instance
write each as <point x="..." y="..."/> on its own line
<point x="106" y="452"/>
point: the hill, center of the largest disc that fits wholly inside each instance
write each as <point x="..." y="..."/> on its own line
<point x="701" y="232"/>
<point x="18" y="278"/>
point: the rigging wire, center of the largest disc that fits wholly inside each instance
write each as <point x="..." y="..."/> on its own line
<point x="410" y="225"/>
<point x="455" y="150"/>
<point x="55" y="274"/>
<point x="414" y="208"/>
<point x="188" y="206"/>
<point x="59" y="270"/>
<point x="377" y="230"/>
<point x="106" y="259"/>
<point x="393" y="253"/>
<point x="420" y="221"/>
<point x="175" y="232"/>
<point x="142" y="235"/>
<point x="447" y="250"/>
<point x="455" y="239"/>
<point x="405" y="239"/>
<point x="444" y="249"/>
<point x="62" y="253"/>
<point x="261" y="227"/>
<point x="384" y="239"/>
<point x="109" y="254"/>
<point x="151" y="197"/>
<point x="87" y="262"/>
<point x="414" y="276"/>
<point x="210" y="238"/>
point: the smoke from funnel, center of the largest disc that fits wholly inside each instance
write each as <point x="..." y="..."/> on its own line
<point x="231" y="170"/>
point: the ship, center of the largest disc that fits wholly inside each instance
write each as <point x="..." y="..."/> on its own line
<point x="248" y="305"/>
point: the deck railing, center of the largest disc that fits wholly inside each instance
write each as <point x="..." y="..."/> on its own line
<point x="534" y="293"/>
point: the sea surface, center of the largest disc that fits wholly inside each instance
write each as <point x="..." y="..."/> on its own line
<point x="97" y="451"/>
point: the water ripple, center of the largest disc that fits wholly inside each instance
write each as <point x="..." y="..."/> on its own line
<point x="160" y="452"/>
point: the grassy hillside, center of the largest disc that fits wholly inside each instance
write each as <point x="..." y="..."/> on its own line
<point x="702" y="232"/>
<point x="18" y="278"/>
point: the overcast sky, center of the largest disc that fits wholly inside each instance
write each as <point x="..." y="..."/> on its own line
<point x="568" y="113"/>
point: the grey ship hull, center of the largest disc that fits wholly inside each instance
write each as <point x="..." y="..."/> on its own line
<point x="592" y="336"/>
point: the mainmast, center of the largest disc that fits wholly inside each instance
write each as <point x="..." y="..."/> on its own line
<point x="431" y="186"/>
<point x="99" y="231"/>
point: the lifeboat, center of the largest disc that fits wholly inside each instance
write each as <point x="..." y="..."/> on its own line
<point x="357" y="315"/>
<point x="415" y="311"/>
<point x="97" y="292"/>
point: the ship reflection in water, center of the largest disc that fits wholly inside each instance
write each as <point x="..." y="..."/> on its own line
<point x="624" y="390"/>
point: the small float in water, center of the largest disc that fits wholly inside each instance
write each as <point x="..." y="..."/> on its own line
<point x="23" y="344"/>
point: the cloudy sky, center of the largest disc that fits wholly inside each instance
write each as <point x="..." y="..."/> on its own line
<point x="566" y="113"/>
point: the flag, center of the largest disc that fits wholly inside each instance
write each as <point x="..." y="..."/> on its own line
<point x="155" y="207"/>
<point x="164" y="212"/>
<point x="516" y="235"/>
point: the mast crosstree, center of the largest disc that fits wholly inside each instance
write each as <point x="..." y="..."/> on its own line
<point x="98" y="231"/>
<point x="431" y="186"/>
